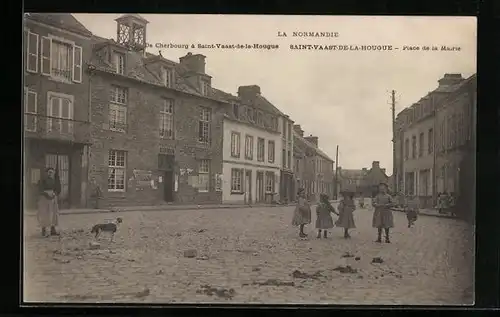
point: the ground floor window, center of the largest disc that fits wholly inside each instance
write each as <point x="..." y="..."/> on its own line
<point x="270" y="179"/>
<point x="116" y="170"/>
<point x="236" y="180"/>
<point x="203" y="175"/>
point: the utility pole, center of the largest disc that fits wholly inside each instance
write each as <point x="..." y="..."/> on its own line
<point x="394" y="169"/>
<point x="336" y="172"/>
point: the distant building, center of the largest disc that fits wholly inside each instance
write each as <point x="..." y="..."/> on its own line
<point x="251" y="156"/>
<point x="373" y="177"/>
<point x="313" y="168"/>
<point x="352" y="179"/>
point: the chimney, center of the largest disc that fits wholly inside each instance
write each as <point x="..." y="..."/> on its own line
<point x="194" y="63"/>
<point x="376" y="164"/>
<point x="298" y="129"/>
<point x="383" y="170"/>
<point x="450" y="79"/>
<point x="248" y="92"/>
<point x="312" y="139"/>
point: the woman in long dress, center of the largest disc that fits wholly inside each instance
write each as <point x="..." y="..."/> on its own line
<point x="302" y="213"/>
<point x="49" y="188"/>
<point x="382" y="216"/>
<point x="324" y="219"/>
<point x="346" y="209"/>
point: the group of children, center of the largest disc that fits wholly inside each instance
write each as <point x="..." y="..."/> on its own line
<point x="382" y="220"/>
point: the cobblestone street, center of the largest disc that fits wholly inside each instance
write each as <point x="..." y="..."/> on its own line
<point x="248" y="255"/>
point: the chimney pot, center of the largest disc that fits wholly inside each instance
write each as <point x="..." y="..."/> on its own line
<point x="194" y="63"/>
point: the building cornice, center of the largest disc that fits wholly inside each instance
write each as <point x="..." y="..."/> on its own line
<point x="253" y="125"/>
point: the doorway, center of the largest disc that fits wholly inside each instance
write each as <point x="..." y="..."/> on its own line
<point x="61" y="162"/>
<point x="248" y="186"/>
<point x="260" y="187"/>
<point x="168" y="186"/>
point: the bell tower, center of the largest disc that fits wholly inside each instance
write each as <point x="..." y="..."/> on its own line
<point x="131" y="31"/>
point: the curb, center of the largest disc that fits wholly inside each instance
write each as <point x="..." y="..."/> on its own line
<point x="165" y="208"/>
<point x="431" y="215"/>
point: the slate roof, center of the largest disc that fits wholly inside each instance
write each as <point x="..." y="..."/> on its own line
<point x="310" y="146"/>
<point x="61" y="20"/>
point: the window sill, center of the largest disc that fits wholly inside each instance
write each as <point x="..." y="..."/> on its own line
<point x="116" y="190"/>
<point x="59" y="80"/>
<point x="117" y="130"/>
<point x="234" y="156"/>
<point x="203" y="191"/>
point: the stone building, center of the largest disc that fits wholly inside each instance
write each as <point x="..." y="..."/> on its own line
<point x="350" y="178"/>
<point x="251" y="148"/>
<point x="430" y="137"/>
<point x="56" y="98"/>
<point x="156" y="124"/>
<point x="313" y="168"/>
<point x="287" y="180"/>
<point x="372" y="178"/>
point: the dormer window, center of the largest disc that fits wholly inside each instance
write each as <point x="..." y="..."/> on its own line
<point x="250" y="114"/>
<point x="119" y="62"/>
<point x="167" y="77"/>
<point x="236" y="111"/>
<point x="205" y="88"/>
<point x="260" y="118"/>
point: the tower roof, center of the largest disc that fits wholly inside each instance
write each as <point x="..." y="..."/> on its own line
<point x="134" y="17"/>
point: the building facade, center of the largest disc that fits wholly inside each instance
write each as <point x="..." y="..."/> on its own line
<point x="56" y="99"/>
<point x="315" y="169"/>
<point x="372" y="179"/>
<point x="251" y="156"/>
<point x="156" y="124"/>
<point x="288" y="188"/>
<point x="431" y="139"/>
<point x="351" y="179"/>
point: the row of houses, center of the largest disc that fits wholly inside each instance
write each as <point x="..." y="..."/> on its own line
<point x="147" y="130"/>
<point x="435" y="142"/>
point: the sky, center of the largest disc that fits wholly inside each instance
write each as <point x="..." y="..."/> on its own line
<point x="343" y="97"/>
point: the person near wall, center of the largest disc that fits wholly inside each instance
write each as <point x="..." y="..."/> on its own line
<point x="383" y="219"/>
<point x="324" y="219"/>
<point x="95" y="194"/>
<point x="412" y="210"/>
<point x="49" y="188"/>
<point x="302" y="213"/>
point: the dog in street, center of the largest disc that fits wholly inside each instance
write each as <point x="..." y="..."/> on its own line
<point x="109" y="228"/>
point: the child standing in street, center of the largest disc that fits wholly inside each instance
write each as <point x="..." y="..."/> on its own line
<point x="382" y="216"/>
<point x="412" y="207"/>
<point x="346" y="209"/>
<point x="324" y="220"/>
<point x="302" y="213"/>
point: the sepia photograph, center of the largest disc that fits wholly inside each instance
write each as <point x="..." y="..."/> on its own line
<point x="248" y="159"/>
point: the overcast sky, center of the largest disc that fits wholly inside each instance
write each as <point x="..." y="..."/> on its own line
<point x="340" y="96"/>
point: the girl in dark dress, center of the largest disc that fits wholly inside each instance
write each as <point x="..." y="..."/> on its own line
<point x="382" y="216"/>
<point x="346" y="209"/>
<point x="49" y="187"/>
<point x="324" y="220"/>
<point x="302" y="213"/>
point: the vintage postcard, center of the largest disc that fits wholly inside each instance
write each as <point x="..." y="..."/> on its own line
<point x="249" y="159"/>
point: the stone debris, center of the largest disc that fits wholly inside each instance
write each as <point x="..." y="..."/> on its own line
<point x="159" y="272"/>
<point x="302" y="275"/>
<point x="255" y="269"/>
<point x="347" y="255"/>
<point x="377" y="260"/>
<point x="273" y="282"/>
<point x="192" y="253"/>
<point x="202" y="258"/>
<point x="357" y="258"/>
<point x="62" y="261"/>
<point x="219" y="292"/>
<point x="346" y="269"/>
<point x="94" y="245"/>
<point x="201" y="230"/>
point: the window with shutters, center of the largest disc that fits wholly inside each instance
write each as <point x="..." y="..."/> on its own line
<point x="414" y="147"/>
<point x="30" y="110"/>
<point x="204" y="121"/>
<point x="249" y="147"/>
<point x="61" y="59"/>
<point x="260" y="118"/>
<point x="407" y="149"/>
<point x="430" y="141"/>
<point x="271" y="151"/>
<point x="236" y="111"/>
<point x="250" y="114"/>
<point x="236" y="180"/>
<point x="270" y="179"/>
<point x="203" y="175"/>
<point x="235" y="144"/>
<point x="167" y="119"/>
<point x="421" y="145"/>
<point x="59" y="113"/>
<point x="119" y="62"/>
<point x="118" y="108"/>
<point x="205" y="88"/>
<point x="31" y="52"/>
<point x="260" y="149"/>
<point x="116" y="170"/>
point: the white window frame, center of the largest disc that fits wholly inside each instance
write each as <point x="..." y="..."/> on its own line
<point x="51" y="117"/>
<point x="204" y="172"/>
<point x="270" y="180"/>
<point x="248" y="147"/>
<point x="261" y="150"/>
<point x="75" y="67"/>
<point x="205" y="87"/>
<point x="235" y="144"/>
<point x="118" y="105"/>
<point x="27" y="91"/>
<point x="119" y="62"/>
<point x="167" y="76"/>
<point x="167" y="114"/>
<point x="35" y="70"/>
<point x="204" y="121"/>
<point x="236" y="180"/>
<point x="271" y="155"/>
<point x="250" y="113"/>
<point x="124" y="168"/>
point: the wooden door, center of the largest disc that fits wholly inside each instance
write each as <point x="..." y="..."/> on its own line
<point x="61" y="161"/>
